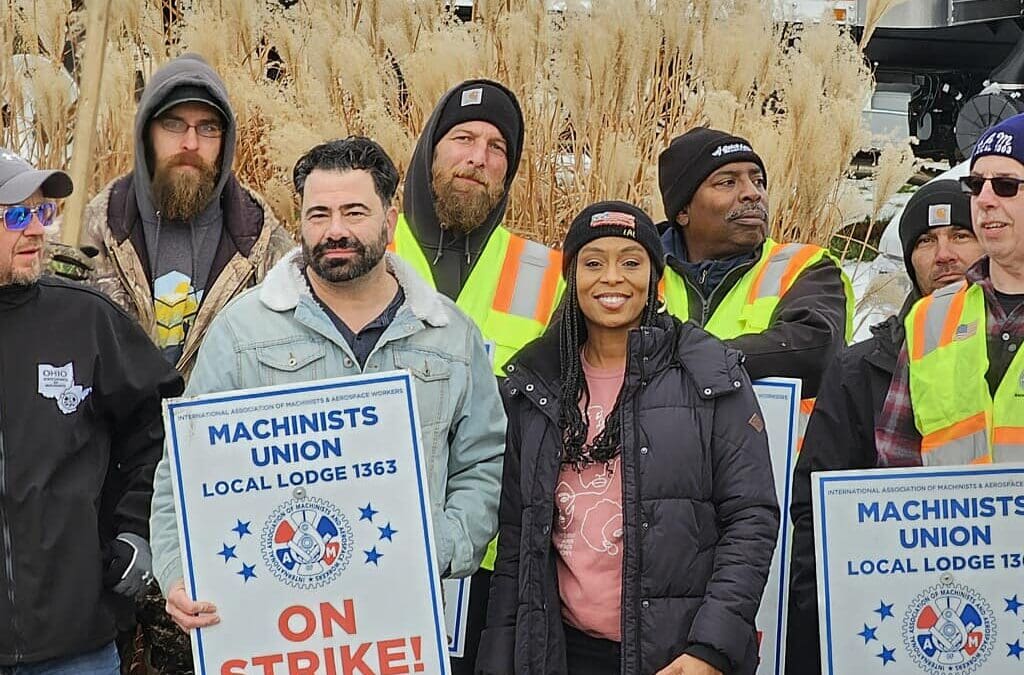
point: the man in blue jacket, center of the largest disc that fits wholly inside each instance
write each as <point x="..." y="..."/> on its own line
<point x="343" y="305"/>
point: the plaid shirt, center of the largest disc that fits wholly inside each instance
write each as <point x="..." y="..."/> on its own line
<point x="896" y="437"/>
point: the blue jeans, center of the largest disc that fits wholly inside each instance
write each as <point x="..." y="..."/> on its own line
<point x="103" y="661"/>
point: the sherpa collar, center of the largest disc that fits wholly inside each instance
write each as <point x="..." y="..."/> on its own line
<point x="284" y="285"/>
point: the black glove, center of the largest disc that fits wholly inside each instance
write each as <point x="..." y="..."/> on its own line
<point x="129" y="565"/>
<point x="70" y="262"/>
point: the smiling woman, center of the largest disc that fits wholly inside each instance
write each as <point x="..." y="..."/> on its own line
<point x="650" y="411"/>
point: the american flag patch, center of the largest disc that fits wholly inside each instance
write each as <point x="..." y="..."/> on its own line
<point x="965" y="330"/>
<point x="613" y="219"/>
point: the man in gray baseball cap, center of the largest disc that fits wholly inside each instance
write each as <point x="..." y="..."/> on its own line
<point x="81" y="386"/>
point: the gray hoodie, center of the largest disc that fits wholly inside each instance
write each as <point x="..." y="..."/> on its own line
<point x="179" y="253"/>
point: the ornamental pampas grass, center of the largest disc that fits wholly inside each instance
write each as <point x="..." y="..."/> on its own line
<point x="603" y="89"/>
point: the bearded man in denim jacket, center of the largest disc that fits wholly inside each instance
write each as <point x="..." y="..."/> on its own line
<point x="342" y="305"/>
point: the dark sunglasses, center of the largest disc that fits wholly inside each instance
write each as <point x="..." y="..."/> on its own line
<point x="1003" y="186"/>
<point x="18" y="216"/>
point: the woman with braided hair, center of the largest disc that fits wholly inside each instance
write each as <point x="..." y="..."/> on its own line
<point x="638" y="513"/>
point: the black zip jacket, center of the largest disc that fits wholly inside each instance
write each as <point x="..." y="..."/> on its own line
<point x="700" y="517"/>
<point x="840" y="435"/>
<point x="807" y="328"/>
<point x="76" y="461"/>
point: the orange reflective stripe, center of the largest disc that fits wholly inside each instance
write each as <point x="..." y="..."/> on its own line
<point x="393" y="246"/>
<point x="661" y="288"/>
<point x="962" y="428"/>
<point x="794" y="267"/>
<point x="984" y="459"/>
<point x="956" y="309"/>
<point x="755" y="288"/>
<point x="549" y="287"/>
<point x="509" y="274"/>
<point x="807" y="406"/>
<point x="1008" y="436"/>
<point x="920" y="321"/>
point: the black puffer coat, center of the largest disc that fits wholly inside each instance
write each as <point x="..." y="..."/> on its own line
<point x="699" y="509"/>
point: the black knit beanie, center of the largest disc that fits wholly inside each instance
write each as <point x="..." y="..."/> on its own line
<point x="935" y="204"/>
<point x="482" y="100"/>
<point x="612" y="219"/>
<point x="694" y="156"/>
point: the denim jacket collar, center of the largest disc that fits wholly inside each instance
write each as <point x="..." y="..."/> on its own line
<point x="284" y="286"/>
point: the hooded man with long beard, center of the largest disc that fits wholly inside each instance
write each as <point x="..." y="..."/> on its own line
<point x="451" y="232"/>
<point x="179" y="236"/>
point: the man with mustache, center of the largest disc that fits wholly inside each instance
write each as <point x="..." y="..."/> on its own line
<point x="787" y="307"/>
<point x="451" y="232"/>
<point x="342" y="306"/>
<point x="178" y="238"/>
<point x="938" y="248"/>
<point x="956" y="397"/>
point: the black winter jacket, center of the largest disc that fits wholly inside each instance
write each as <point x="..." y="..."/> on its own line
<point x="700" y="515"/>
<point x="840" y="435"/>
<point x="80" y="435"/>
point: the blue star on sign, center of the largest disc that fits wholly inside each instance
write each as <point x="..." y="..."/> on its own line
<point x="367" y="513"/>
<point x="887" y="654"/>
<point x="884" y="610"/>
<point x="386" y="532"/>
<point x="242" y="528"/>
<point x="1015" y="649"/>
<point x="1012" y="604"/>
<point x="868" y="633"/>
<point x="228" y="552"/>
<point x="372" y="556"/>
<point x="247" y="572"/>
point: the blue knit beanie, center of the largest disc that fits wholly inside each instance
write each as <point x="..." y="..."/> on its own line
<point x="1005" y="139"/>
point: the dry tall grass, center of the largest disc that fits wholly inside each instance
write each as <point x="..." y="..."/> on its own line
<point x="603" y="91"/>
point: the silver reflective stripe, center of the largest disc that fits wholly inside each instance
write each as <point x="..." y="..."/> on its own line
<point x="533" y="264"/>
<point x="960" y="451"/>
<point x="775" y="268"/>
<point x="1008" y="452"/>
<point x="942" y="299"/>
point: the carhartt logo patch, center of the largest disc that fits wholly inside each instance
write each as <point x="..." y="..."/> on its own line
<point x="472" y="97"/>
<point x="613" y="219"/>
<point x="756" y="422"/>
<point x="939" y="215"/>
<point x="58" y="382"/>
<point x="965" y="331"/>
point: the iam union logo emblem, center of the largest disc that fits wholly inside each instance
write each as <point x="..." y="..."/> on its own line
<point x="949" y="628"/>
<point x="307" y="542"/>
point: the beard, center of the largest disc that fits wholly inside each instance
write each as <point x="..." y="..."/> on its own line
<point x="334" y="270"/>
<point x="459" y="209"/>
<point x="179" y="194"/>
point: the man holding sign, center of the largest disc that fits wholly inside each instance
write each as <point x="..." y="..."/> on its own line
<point x="341" y="306"/>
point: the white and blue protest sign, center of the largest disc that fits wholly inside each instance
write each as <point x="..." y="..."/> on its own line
<point x="779" y="399"/>
<point x="304" y="516"/>
<point x="921" y="570"/>
<point x="456" y="614"/>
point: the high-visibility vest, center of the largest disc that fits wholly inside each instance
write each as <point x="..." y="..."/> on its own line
<point x="749" y="305"/>
<point x="510" y="295"/>
<point x="959" y="420"/>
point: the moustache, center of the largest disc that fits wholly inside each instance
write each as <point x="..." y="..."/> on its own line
<point x="349" y="243"/>
<point x="472" y="174"/>
<point x="187" y="159"/>
<point x="759" y="211"/>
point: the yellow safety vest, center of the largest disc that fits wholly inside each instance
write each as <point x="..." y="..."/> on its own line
<point x="749" y="305"/>
<point x="959" y="419"/>
<point x="510" y="295"/>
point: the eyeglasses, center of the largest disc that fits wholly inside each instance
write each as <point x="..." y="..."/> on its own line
<point x="18" y="216"/>
<point x="180" y="126"/>
<point x="1003" y="186"/>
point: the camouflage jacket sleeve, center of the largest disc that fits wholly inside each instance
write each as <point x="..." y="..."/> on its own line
<point x="95" y="233"/>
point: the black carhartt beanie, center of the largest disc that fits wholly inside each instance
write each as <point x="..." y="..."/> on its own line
<point x="935" y="204"/>
<point x="612" y="219"/>
<point x="694" y="156"/>
<point x="485" y="101"/>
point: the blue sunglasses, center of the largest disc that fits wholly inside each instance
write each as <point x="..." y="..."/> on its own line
<point x="18" y="216"/>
